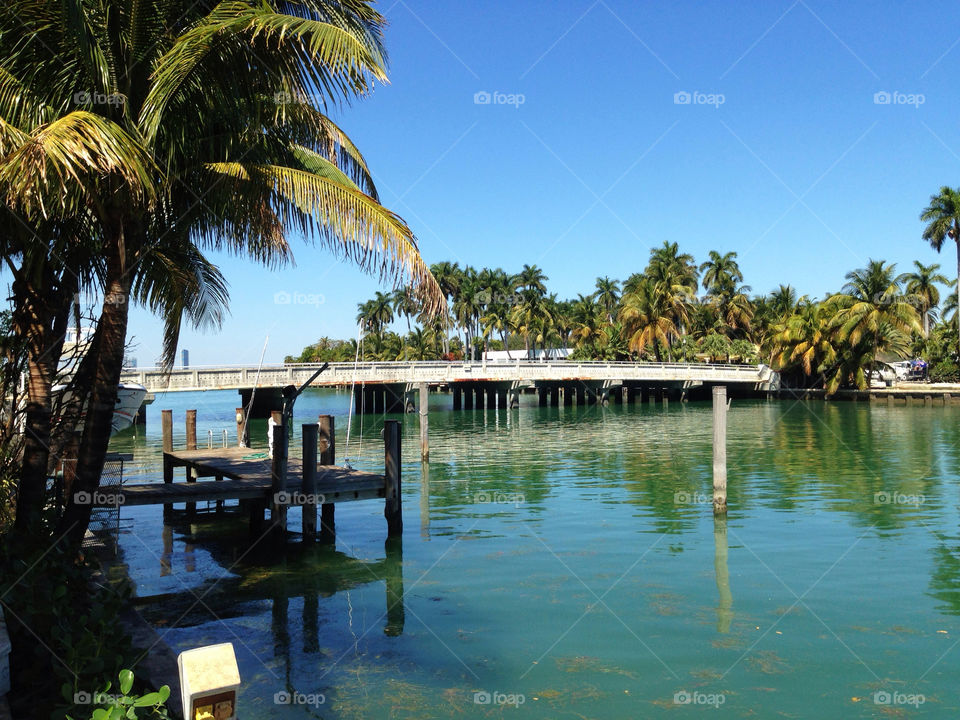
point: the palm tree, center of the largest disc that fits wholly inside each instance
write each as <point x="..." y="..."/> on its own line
<point x="921" y="284"/>
<point x="201" y="149"/>
<point x="805" y="340"/>
<point x="720" y="271"/>
<point x="942" y="216"/>
<point x="648" y="319"/>
<point x="532" y="278"/>
<point x="872" y="317"/>
<point x="608" y="295"/>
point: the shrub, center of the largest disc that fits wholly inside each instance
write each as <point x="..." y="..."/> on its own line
<point x="945" y="371"/>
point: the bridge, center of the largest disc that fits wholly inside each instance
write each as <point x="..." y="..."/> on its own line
<point x="390" y="386"/>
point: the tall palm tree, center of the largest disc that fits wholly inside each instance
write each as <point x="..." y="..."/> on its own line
<point x="197" y="145"/>
<point x="720" y="270"/>
<point x="921" y="285"/>
<point x="532" y="278"/>
<point x="608" y="295"/>
<point x="648" y="319"/>
<point x="942" y="216"/>
<point x="872" y="317"/>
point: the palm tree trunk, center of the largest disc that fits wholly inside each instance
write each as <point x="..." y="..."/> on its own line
<point x="41" y="315"/>
<point x="109" y="346"/>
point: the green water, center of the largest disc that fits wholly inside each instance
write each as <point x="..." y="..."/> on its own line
<point x="565" y="563"/>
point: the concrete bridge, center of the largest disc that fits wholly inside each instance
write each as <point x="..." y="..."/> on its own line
<point x="391" y="386"/>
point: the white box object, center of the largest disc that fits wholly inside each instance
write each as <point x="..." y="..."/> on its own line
<point x="209" y="680"/>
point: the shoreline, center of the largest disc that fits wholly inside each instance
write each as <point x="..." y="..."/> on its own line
<point x="936" y="394"/>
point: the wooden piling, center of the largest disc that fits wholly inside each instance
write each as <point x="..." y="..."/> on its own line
<point x="166" y="428"/>
<point x="243" y="431"/>
<point x="719" y="450"/>
<point x="457" y="397"/>
<point x="424" y="422"/>
<point x="310" y="432"/>
<point x="191" y="429"/>
<point x="393" y="508"/>
<point x="278" y="488"/>
<point x="327" y="447"/>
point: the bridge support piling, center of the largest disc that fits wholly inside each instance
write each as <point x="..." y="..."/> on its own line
<point x="424" y="422"/>
<point x="568" y="393"/>
<point x="327" y="448"/>
<point x="492" y="397"/>
<point x="393" y="508"/>
<point x="468" y="398"/>
<point x="719" y="450"/>
<point x="542" y="393"/>
<point x="555" y="396"/>
<point x="457" y="397"/>
<point x="581" y="395"/>
<point x="502" y="399"/>
<point x="379" y="401"/>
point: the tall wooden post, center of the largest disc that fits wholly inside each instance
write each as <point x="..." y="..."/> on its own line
<point x="191" y="429"/>
<point x="309" y="488"/>
<point x="393" y="508"/>
<point x="393" y="577"/>
<point x="719" y="450"/>
<point x="243" y="431"/>
<point x="166" y="428"/>
<point x="328" y="526"/>
<point x="424" y="422"/>
<point x="278" y="486"/>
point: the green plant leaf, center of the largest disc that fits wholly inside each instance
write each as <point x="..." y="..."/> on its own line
<point x="126" y="681"/>
<point x="147" y="700"/>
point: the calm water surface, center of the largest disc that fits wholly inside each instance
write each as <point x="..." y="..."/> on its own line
<point x="565" y="563"/>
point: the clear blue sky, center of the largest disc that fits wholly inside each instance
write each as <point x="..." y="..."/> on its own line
<point x="798" y="170"/>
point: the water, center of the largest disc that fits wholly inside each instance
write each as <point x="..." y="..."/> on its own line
<point x="564" y="562"/>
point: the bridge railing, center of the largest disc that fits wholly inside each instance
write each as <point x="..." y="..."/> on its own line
<point x="234" y="376"/>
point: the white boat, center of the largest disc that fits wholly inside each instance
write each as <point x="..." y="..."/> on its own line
<point x="130" y="397"/>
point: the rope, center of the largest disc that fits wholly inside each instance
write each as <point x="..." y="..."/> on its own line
<point x="253" y="394"/>
<point x="353" y="385"/>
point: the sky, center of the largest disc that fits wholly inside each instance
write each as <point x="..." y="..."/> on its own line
<point x="806" y="136"/>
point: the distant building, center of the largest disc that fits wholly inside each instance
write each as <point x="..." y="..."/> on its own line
<point x="185" y="356"/>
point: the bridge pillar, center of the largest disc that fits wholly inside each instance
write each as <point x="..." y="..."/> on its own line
<point x="542" y="392"/>
<point x="457" y="397"/>
<point x="468" y="398"/>
<point x="502" y="399"/>
<point x="555" y="396"/>
<point x="492" y="397"/>
<point x="265" y="400"/>
<point x="568" y="393"/>
<point x="581" y="394"/>
<point x="379" y="400"/>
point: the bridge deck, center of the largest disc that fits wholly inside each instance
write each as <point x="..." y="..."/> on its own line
<point x="245" y="477"/>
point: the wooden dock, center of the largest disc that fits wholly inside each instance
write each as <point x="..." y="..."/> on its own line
<point x="260" y="482"/>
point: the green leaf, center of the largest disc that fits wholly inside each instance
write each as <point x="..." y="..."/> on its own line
<point x="164" y="693"/>
<point x="147" y="700"/>
<point x="126" y="681"/>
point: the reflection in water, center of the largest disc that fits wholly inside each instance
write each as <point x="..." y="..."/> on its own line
<point x="830" y="497"/>
<point x="725" y="604"/>
<point x="425" y="500"/>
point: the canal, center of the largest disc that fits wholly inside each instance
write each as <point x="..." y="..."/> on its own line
<point x="565" y="563"/>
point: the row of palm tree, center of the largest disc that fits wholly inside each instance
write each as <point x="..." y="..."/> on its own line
<point x="678" y="310"/>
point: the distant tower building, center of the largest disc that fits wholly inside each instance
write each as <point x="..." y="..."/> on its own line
<point x="185" y="354"/>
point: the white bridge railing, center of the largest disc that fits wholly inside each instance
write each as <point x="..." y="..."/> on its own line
<point x="236" y="376"/>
